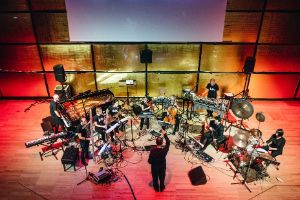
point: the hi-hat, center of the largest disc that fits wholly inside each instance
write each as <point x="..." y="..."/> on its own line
<point x="240" y="139"/>
<point x="260" y="117"/>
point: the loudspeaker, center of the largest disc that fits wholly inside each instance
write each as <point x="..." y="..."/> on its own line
<point x="197" y="176"/>
<point x="249" y="65"/>
<point x="59" y="73"/>
<point x="146" y="56"/>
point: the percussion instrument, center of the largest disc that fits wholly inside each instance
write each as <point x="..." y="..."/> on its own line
<point x="240" y="139"/>
<point x="221" y="106"/>
<point x="242" y="109"/>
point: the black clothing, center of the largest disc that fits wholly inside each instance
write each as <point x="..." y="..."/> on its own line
<point x="100" y="121"/>
<point x="157" y="159"/>
<point x="53" y="107"/>
<point x="217" y="133"/>
<point x="57" y="120"/>
<point x="112" y="110"/>
<point x="83" y="143"/>
<point x="212" y="93"/>
<point x="143" y="119"/>
<point x="212" y="90"/>
<point x="276" y="143"/>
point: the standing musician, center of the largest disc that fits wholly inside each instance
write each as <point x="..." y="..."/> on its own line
<point x="276" y="143"/>
<point x="112" y="117"/>
<point x="215" y="134"/>
<point x="83" y="133"/>
<point x="55" y="115"/>
<point x="145" y="108"/>
<point x="157" y="159"/>
<point x="212" y="92"/>
<point x="99" y="123"/>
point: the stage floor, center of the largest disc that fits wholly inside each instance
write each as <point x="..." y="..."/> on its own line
<point x="25" y="176"/>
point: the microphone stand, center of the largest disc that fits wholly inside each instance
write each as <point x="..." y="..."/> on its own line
<point x="86" y="176"/>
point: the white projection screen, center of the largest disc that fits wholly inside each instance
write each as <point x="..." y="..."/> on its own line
<point x="146" y="20"/>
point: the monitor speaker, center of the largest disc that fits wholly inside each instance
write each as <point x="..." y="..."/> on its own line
<point x="59" y="73"/>
<point x="146" y="56"/>
<point x="249" y="65"/>
<point x="197" y="176"/>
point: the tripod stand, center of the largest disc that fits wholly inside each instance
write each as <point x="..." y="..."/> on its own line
<point x="86" y="176"/>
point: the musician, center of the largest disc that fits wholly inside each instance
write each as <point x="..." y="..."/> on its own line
<point x="55" y="115"/>
<point x="172" y="115"/>
<point x="83" y="133"/>
<point x="211" y="90"/>
<point x="276" y="143"/>
<point x="99" y="123"/>
<point x="215" y="134"/>
<point x="157" y="159"/>
<point x="145" y="108"/>
<point x="112" y="117"/>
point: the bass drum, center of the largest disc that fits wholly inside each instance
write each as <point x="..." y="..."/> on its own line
<point x="137" y="109"/>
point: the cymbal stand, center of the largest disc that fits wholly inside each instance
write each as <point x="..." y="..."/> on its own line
<point x="243" y="182"/>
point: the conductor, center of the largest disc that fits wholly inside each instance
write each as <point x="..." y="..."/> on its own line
<point x="157" y="159"/>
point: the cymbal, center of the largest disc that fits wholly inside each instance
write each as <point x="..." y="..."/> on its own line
<point x="240" y="139"/>
<point x="242" y="109"/>
<point x="260" y="117"/>
<point x="256" y="132"/>
<point x="266" y="156"/>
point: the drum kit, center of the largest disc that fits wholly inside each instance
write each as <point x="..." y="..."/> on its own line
<point x="247" y="156"/>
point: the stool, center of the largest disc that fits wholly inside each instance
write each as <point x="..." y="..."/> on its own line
<point x="70" y="157"/>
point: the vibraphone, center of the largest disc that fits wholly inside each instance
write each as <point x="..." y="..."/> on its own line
<point x="221" y="106"/>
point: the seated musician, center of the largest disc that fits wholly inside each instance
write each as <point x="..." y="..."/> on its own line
<point x="171" y="115"/>
<point x="99" y="123"/>
<point x="112" y="117"/>
<point x="55" y="115"/>
<point x="215" y="134"/>
<point x="275" y="143"/>
<point x="83" y="133"/>
<point x="145" y="108"/>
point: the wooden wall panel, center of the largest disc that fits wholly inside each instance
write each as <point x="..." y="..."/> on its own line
<point x="20" y="58"/>
<point x="22" y="84"/>
<point x="111" y="81"/>
<point x="278" y="58"/>
<point x="227" y="82"/>
<point x="241" y="26"/>
<point x="174" y="57"/>
<point x="51" y="27"/>
<point x="13" y="5"/>
<point x="245" y="4"/>
<point x="48" y="4"/>
<point x="280" y="28"/>
<point x="283" y="5"/>
<point x="73" y="57"/>
<point x="16" y="27"/>
<point x="78" y="82"/>
<point x="118" y="58"/>
<point x="273" y="86"/>
<point x="225" y="58"/>
<point x="170" y="84"/>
